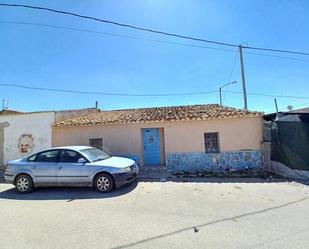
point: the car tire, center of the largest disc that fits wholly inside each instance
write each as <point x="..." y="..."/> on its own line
<point x="104" y="183"/>
<point x="24" y="184"/>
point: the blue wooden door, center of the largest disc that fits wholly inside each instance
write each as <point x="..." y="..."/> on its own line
<point x="152" y="146"/>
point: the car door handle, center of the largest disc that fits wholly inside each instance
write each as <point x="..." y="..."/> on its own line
<point x="60" y="167"/>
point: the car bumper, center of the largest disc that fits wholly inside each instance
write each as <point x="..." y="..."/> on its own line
<point x="9" y="177"/>
<point x="125" y="178"/>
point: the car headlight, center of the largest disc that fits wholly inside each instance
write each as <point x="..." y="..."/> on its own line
<point x="127" y="169"/>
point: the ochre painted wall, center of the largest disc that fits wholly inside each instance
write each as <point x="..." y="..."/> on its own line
<point x="182" y="136"/>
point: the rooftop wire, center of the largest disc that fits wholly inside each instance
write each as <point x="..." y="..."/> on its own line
<point x="146" y="95"/>
<point x="150" y="30"/>
<point x="145" y="39"/>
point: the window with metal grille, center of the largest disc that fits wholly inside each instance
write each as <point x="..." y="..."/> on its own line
<point x="211" y="142"/>
<point x="96" y="142"/>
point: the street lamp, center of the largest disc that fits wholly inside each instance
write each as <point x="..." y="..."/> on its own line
<point x="220" y="88"/>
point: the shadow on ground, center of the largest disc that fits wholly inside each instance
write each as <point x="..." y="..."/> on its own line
<point x="215" y="179"/>
<point x="66" y="193"/>
<point x="79" y="193"/>
<point x="162" y="174"/>
<point x="247" y="176"/>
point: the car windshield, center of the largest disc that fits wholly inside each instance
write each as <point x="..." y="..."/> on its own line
<point x="95" y="154"/>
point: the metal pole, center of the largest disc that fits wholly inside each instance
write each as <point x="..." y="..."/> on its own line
<point x="276" y="105"/>
<point x="243" y="78"/>
<point x="220" y="89"/>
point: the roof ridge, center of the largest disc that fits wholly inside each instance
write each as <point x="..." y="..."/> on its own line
<point x="172" y="106"/>
<point x="158" y="114"/>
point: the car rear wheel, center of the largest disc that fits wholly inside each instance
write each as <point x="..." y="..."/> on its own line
<point x="24" y="184"/>
<point x="104" y="183"/>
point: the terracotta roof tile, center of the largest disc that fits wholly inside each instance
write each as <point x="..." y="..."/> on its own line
<point x="158" y="114"/>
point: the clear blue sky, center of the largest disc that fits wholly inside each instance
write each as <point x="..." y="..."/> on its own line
<point x="57" y="58"/>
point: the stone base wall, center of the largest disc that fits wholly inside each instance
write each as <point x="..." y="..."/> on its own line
<point x="203" y="162"/>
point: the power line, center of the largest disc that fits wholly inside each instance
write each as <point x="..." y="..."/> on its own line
<point x="233" y="66"/>
<point x="106" y="93"/>
<point x="113" y="34"/>
<point x="145" y="39"/>
<point x="150" y="30"/>
<point x="276" y="56"/>
<point x="231" y="73"/>
<point x="144" y="95"/>
<point x="277" y="50"/>
<point x="116" y="23"/>
<point x="270" y="95"/>
<point x="307" y="103"/>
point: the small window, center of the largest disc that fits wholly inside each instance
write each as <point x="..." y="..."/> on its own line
<point x="96" y="143"/>
<point x="69" y="156"/>
<point x="47" y="156"/>
<point x="211" y="142"/>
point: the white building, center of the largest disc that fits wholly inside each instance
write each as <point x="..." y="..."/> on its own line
<point x="23" y="133"/>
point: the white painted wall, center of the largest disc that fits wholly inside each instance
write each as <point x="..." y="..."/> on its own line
<point x="39" y="125"/>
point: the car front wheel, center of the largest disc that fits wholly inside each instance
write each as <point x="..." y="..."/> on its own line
<point x="24" y="184"/>
<point x="104" y="183"/>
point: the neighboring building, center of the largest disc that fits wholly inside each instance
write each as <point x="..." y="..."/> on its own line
<point x="8" y="112"/>
<point x="300" y="111"/>
<point x="22" y="133"/>
<point x="182" y="138"/>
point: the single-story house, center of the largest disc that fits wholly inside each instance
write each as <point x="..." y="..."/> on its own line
<point x="22" y="133"/>
<point x="182" y="138"/>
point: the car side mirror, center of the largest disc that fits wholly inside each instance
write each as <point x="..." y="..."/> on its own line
<point x="81" y="160"/>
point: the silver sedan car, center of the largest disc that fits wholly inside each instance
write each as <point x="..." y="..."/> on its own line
<point x="71" y="166"/>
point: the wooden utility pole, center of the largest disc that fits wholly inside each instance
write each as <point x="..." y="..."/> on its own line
<point x="244" y="91"/>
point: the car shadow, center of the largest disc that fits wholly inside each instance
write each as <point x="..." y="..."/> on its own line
<point x="66" y="193"/>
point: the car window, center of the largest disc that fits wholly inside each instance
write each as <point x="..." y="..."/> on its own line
<point x="47" y="156"/>
<point x="32" y="158"/>
<point x="69" y="156"/>
<point x="95" y="154"/>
